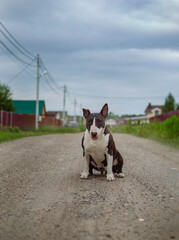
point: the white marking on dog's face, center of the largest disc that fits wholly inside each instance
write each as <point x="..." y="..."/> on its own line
<point x="93" y="127"/>
<point x="95" y="131"/>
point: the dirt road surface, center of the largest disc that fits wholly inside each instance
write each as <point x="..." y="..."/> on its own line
<point x="43" y="197"/>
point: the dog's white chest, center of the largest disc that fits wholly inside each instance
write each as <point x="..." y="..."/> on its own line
<point x="96" y="148"/>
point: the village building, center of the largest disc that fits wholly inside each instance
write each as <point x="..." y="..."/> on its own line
<point x="136" y="120"/>
<point x="153" y="110"/>
<point x="111" y="122"/>
<point x="24" y="115"/>
<point x="29" y="107"/>
<point x="150" y="112"/>
<point x="58" y="115"/>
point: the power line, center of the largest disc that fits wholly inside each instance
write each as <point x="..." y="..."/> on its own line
<point x="50" y="81"/>
<point x="50" y="85"/>
<point x="50" y="77"/>
<point x="12" y="53"/>
<point x="115" y="97"/>
<point x="26" y="66"/>
<point x="21" y="71"/>
<point x="17" y="41"/>
<point x="20" y="64"/>
<point x="15" y="45"/>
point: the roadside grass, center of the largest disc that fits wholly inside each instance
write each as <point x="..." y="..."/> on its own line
<point x="166" y="132"/>
<point x="10" y="133"/>
<point x="8" y="136"/>
<point x="57" y="130"/>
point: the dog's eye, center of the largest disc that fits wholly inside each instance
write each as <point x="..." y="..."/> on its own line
<point x="99" y="120"/>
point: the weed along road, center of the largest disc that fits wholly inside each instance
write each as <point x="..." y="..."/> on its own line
<point x="43" y="197"/>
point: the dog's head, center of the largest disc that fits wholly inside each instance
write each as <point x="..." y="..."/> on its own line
<point x="95" y="122"/>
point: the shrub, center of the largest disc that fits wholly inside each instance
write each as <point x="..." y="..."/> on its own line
<point x="138" y="122"/>
<point x="129" y="122"/>
<point x="16" y="129"/>
<point x="171" y="127"/>
<point x="12" y="129"/>
<point x="161" y="131"/>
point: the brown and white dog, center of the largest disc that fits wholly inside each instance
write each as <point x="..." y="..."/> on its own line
<point x="99" y="150"/>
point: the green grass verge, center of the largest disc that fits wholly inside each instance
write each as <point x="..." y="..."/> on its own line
<point x="14" y="133"/>
<point x="8" y="136"/>
<point x="166" y="132"/>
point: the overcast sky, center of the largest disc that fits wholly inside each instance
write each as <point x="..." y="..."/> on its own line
<point x="114" y="51"/>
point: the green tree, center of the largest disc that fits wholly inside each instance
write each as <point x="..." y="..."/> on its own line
<point x="6" y="103"/>
<point x="169" y="104"/>
<point x="111" y="115"/>
<point x="177" y="106"/>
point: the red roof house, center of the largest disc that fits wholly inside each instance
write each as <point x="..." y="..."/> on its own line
<point x="153" y="110"/>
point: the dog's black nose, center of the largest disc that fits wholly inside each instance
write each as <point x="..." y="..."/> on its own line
<point x="94" y="134"/>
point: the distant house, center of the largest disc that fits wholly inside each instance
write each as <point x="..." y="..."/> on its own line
<point x="25" y="115"/>
<point x="111" y="122"/>
<point x="29" y="107"/>
<point x="153" y="110"/>
<point x="164" y="116"/>
<point x="57" y="115"/>
<point x="136" y="120"/>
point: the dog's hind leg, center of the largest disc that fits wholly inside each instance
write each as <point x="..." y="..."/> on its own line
<point x="118" y="167"/>
<point x="90" y="169"/>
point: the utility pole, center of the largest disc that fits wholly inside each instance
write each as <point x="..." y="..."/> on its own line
<point x="81" y="113"/>
<point x="64" y="102"/>
<point x="74" y="119"/>
<point x="37" y="96"/>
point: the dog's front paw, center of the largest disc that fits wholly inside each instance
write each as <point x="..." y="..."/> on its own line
<point x="110" y="177"/>
<point x="84" y="175"/>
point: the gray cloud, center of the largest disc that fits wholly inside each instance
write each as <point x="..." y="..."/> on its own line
<point x="105" y="47"/>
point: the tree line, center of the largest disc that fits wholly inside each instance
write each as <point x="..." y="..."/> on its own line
<point x="6" y="103"/>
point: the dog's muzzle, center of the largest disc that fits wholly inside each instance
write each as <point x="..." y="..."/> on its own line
<point x="94" y="135"/>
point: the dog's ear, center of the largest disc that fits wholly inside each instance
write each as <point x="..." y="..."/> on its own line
<point x="86" y="112"/>
<point x="104" y="110"/>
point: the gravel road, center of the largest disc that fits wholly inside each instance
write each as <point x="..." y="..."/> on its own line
<point x="43" y="197"/>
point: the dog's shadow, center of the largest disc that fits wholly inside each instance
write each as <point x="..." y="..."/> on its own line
<point x="97" y="175"/>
